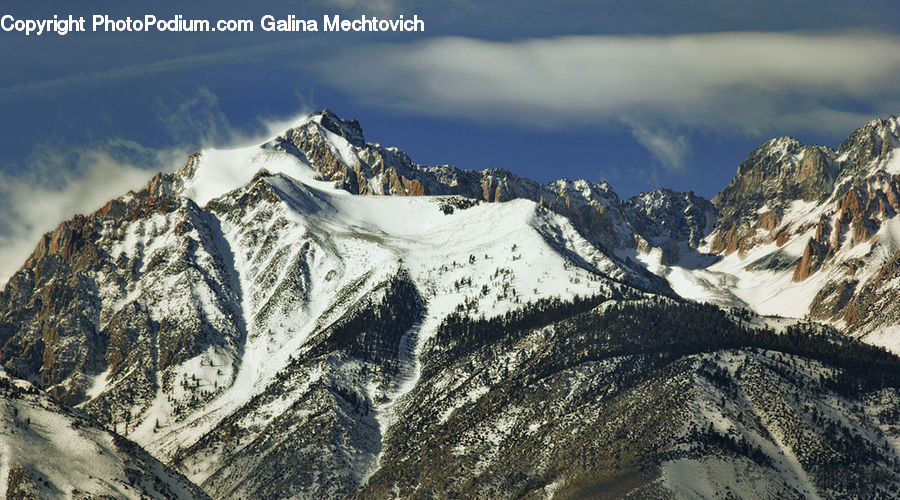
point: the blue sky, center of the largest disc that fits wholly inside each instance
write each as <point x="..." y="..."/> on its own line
<point x="641" y="93"/>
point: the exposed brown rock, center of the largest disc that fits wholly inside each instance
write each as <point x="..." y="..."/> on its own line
<point x="860" y="218"/>
<point x="892" y="196"/>
<point x="816" y="174"/>
<point x="670" y="252"/>
<point x="777" y="173"/>
<point x="861" y="308"/>
<point x="641" y="244"/>
<point x="830" y="302"/>
<point x="400" y="185"/>
<point x="737" y="238"/>
<point x="821" y="230"/>
<point x="782" y="237"/>
<point x="113" y="208"/>
<point x="849" y="203"/>
<point x="413" y="187"/>
<point x="811" y="260"/>
<point x="721" y="239"/>
<point x="861" y="230"/>
<point x="768" y="221"/>
<point x="494" y="190"/>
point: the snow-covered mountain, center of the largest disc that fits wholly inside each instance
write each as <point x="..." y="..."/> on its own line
<point x="49" y="450"/>
<point x="320" y="316"/>
<point x="169" y="320"/>
<point x="807" y="231"/>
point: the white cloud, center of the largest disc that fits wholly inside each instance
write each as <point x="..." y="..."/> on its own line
<point x="71" y="82"/>
<point x="56" y="185"/>
<point x="743" y="82"/>
<point x="669" y="148"/>
<point x="34" y="204"/>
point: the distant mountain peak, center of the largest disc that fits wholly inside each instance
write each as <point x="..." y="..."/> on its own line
<point x="876" y="138"/>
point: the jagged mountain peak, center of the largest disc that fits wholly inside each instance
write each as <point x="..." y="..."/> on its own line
<point x="781" y="167"/>
<point x="780" y="145"/>
<point x="665" y="195"/>
<point x="348" y="129"/>
<point x="783" y="170"/>
<point x="875" y="139"/>
<point x="808" y="229"/>
<point x="664" y="204"/>
<point x="783" y="157"/>
<point x="675" y="216"/>
<point x="192" y="310"/>
<point x="602" y="186"/>
<point x="884" y="128"/>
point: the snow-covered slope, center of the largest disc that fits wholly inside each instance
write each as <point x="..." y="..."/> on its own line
<point x="337" y="151"/>
<point x="50" y="451"/>
<point x="305" y="253"/>
<point x="805" y="231"/>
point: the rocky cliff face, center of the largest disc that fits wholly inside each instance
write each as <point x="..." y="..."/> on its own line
<point x="824" y="218"/>
<point x="782" y="172"/>
<point x="775" y="175"/>
<point x="670" y="219"/>
<point x="57" y="330"/>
